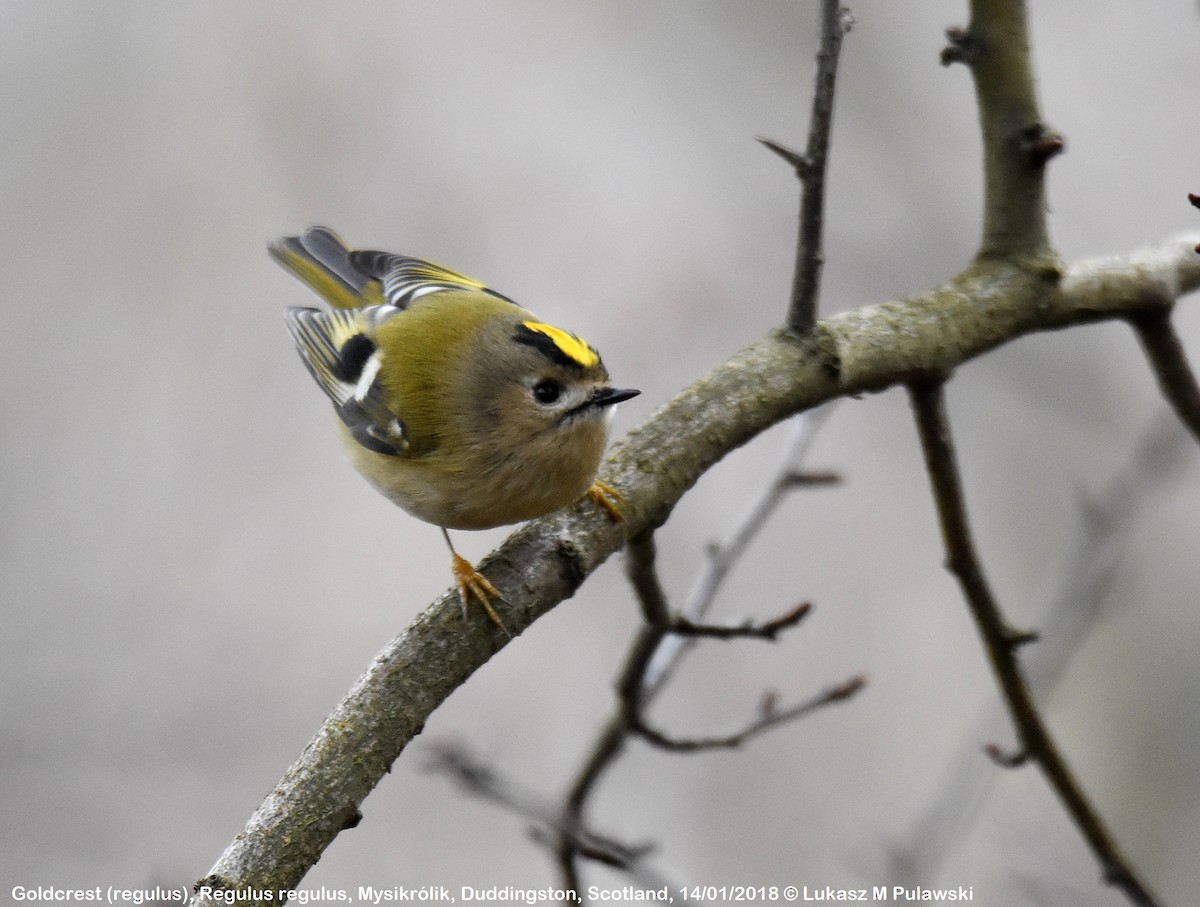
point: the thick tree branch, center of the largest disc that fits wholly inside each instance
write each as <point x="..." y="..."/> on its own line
<point x="1016" y="143"/>
<point x="863" y="350"/>
<point x="1001" y="642"/>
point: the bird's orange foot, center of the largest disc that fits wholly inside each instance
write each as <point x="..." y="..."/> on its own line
<point x="607" y="499"/>
<point x="472" y="583"/>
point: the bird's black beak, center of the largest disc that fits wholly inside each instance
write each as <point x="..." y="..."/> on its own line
<point x="609" y="396"/>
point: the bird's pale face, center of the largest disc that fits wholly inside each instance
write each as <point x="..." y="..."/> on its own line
<point x="540" y="419"/>
<point x="538" y="409"/>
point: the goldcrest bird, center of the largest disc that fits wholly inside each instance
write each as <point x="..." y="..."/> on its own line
<point x="453" y="401"/>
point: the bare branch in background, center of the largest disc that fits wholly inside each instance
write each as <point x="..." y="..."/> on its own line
<point x="632" y="686"/>
<point x="929" y="408"/>
<point x="681" y="626"/>
<point x="664" y="639"/>
<point x="482" y="780"/>
<point x="721" y="556"/>
<point x="1165" y="351"/>
<point x="771" y="719"/>
<point x="1084" y="596"/>
<point x="810" y="169"/>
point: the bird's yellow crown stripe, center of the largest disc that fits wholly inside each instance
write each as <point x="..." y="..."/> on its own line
<point x="568" y="344"/>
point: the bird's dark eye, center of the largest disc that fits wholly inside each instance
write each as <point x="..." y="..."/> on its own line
<point x="547" y="392"/>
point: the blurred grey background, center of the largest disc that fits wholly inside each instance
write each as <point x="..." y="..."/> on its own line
<point x="191" y="575"/>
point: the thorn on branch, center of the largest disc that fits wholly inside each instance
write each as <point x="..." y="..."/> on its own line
<point x="768" y="705"/>
<point x="1038" y="143"/>
<point x="1006" y="760"/>
<point x="961" y="47"/>
<point x="1015" y="639"/>
<point x="1195" y="200"/>
<point x="772" y="627"/>
<point x="847" y="689"/>
<point x="805" y="479"/>
<point x="799" y="163"/>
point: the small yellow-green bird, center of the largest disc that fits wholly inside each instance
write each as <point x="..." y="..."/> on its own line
<point x="453" y="401"/>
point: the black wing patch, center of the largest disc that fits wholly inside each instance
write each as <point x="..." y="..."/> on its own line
<point x="345" y="363"/>
<point x="387" y="439"/>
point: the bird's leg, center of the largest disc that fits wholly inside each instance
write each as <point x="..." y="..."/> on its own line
<point x="607" y="499"/>
<point x="471" y="582"/>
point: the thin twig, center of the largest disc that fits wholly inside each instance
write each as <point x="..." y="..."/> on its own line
<point x="806" y="279"/>
<point x="724" y="555"/>
<point x="632" y="689"/>
<point x="634" y="692"/>
<point x="1104" y="523"/>
<point x="610" y="740"/>
<point x="665" y="650"/>
<point x="928" y="401"/>
<point x="609" y="744"/>
<point x="480" y="779"/>
<point x="766" y="722"/>
<point x="1167" y="357"/>
<point x="681" y="626"/>
<point x="648" y="590"/>
<point x="640" y="568"/>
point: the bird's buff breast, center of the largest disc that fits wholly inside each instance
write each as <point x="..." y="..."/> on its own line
<point x="483" y="492"/>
